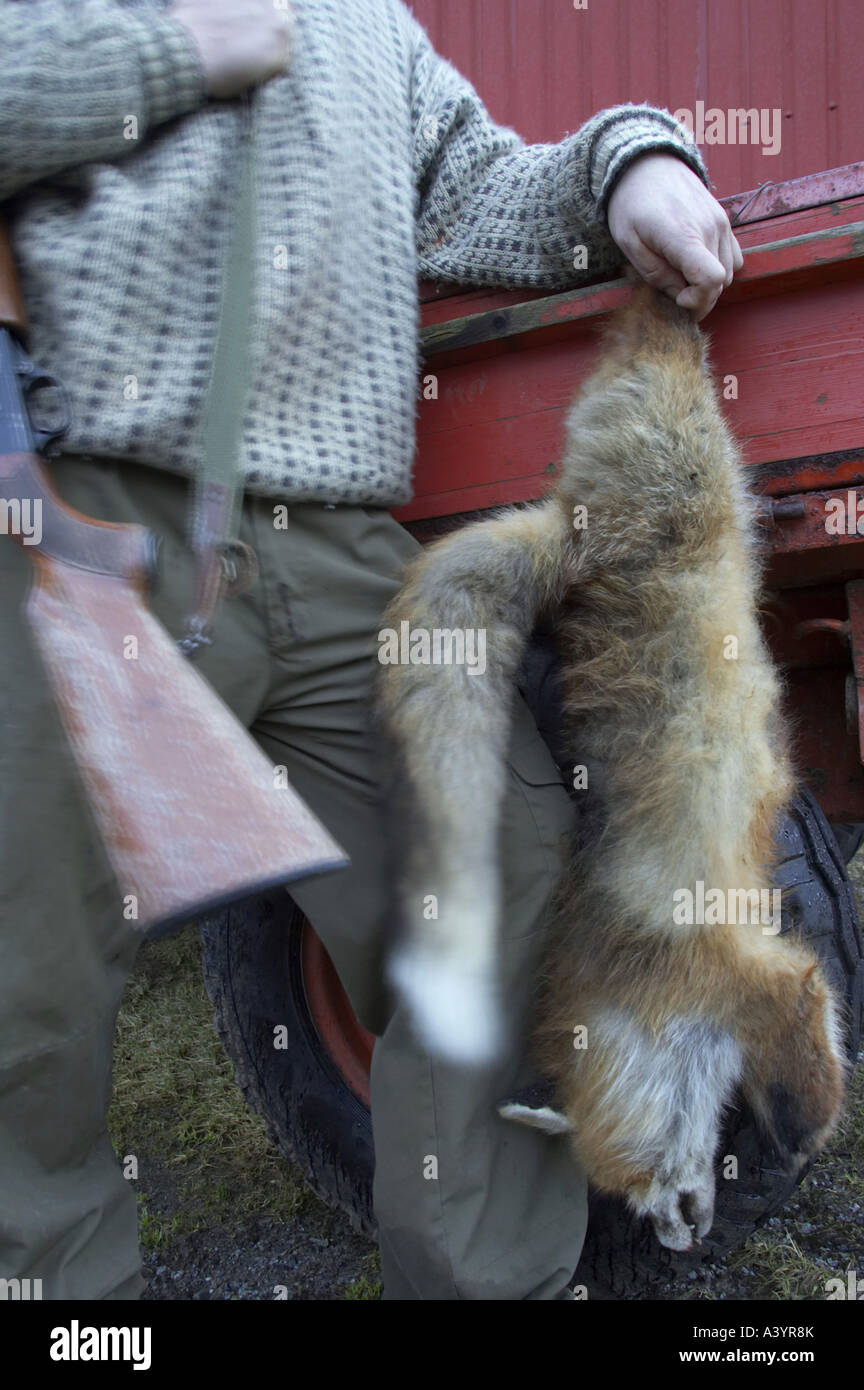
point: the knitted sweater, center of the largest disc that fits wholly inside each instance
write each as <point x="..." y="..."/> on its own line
<point x="376" y="162"/>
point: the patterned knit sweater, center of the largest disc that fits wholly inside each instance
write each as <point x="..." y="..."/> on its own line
<point x="375" y="161"/>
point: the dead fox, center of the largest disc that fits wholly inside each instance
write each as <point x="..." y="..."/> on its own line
<point x="645" y="561"/>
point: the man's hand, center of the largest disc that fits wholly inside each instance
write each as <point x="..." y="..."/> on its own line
<point x="241" y="42"/>
<point x="673" y="231"/>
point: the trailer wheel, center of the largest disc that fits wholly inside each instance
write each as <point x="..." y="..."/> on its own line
<point x="849" y="837"/>
<point x="265" y="970"/>
<point x="300" y="1056"/>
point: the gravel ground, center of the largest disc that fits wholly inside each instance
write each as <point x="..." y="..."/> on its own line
<point x="317" y="1257"/>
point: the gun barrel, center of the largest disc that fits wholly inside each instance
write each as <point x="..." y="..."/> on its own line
<point x="16" y="434"/>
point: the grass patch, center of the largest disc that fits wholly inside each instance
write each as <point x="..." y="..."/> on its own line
<point x="156" y="1230"/>
<point x="176" y="1103"/>
<point x="367" y="1288"/>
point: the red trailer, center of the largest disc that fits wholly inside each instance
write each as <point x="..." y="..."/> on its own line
<point x="788" y="352"/>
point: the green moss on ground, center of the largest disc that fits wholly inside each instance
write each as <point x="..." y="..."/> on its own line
<point x="368" y="1287"/>
<point x="176" y="1104"/>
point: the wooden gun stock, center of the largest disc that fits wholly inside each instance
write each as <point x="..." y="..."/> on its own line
<point x="188" y="806"/>
<point x="13" y="315"/>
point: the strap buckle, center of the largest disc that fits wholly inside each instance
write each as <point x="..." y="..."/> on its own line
<point x="240" y="567"/>
<point x="224" y="568"/>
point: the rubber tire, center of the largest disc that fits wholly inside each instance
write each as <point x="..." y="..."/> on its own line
<point x="849" y="838"/>
<point x="252" y="970"/>
<point x="252" y="966"/>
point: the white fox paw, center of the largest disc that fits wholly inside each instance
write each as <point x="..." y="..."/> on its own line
<point x="680" y="1213"/>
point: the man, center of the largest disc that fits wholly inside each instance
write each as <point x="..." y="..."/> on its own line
<point x="375" y="162"/>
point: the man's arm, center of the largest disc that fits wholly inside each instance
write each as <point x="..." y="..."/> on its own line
<point x="74" y="74"/>
<point x="495" y="211"/>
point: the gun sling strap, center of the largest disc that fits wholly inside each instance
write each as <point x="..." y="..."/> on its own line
<point x="223" y="563"/>
<point x="184" y="798"/>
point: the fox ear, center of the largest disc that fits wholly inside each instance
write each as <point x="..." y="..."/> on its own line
<point x="545" y="1118"/>
<point x="535" y="1106"/>
<point x="807" y="979"/>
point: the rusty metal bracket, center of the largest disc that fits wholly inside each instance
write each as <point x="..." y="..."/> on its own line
<point x="838" y="626"/>
<point x="851" y="631"/>
<point x="772" y="510"/>
<point x="855" y="697"/>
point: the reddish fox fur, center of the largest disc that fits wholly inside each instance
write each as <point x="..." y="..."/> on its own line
<point x="680" y="728"/>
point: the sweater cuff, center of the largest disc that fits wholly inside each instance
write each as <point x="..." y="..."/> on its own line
<point x="172" y="74"/>
<point x="611" y="141"/>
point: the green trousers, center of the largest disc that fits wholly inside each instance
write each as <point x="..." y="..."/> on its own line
<point x="294" y="658"/>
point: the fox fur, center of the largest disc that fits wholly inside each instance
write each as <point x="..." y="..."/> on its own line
<point x="681" y="733"/>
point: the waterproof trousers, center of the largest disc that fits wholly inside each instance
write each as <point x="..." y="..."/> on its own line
<point x="501" y="1213"/>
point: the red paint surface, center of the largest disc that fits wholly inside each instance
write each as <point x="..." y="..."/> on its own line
<point x="544" y="67"/>
<point x="791" y="330"/>
<point x="347" y="1041"/>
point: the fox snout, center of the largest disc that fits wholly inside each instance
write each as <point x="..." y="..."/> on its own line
<point x="795" y="1073"/>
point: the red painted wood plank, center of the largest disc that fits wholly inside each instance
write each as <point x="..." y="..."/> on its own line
<point x="795" y="396"/>
<point x="801" y="355"/>
<point x="789" y="476"/>
<point x="821" y="258"/>
<point x="828" y="186"/>
<point x="797" y="359"/>
<point x="490" y="451"/>
<point x="844" y="116"/>
<point x="810" y="108"/>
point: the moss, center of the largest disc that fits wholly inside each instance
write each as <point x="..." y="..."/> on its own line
<point x="176" y="1104"/>
<point x="368" y="1286"/>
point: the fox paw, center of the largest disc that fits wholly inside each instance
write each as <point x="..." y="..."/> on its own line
<point x="681" y="1210"/>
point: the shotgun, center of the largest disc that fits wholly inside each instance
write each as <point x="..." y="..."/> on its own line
<point x="192" y="814"/>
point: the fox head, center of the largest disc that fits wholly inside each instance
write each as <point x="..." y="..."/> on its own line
<point x="795" y="1074"/>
